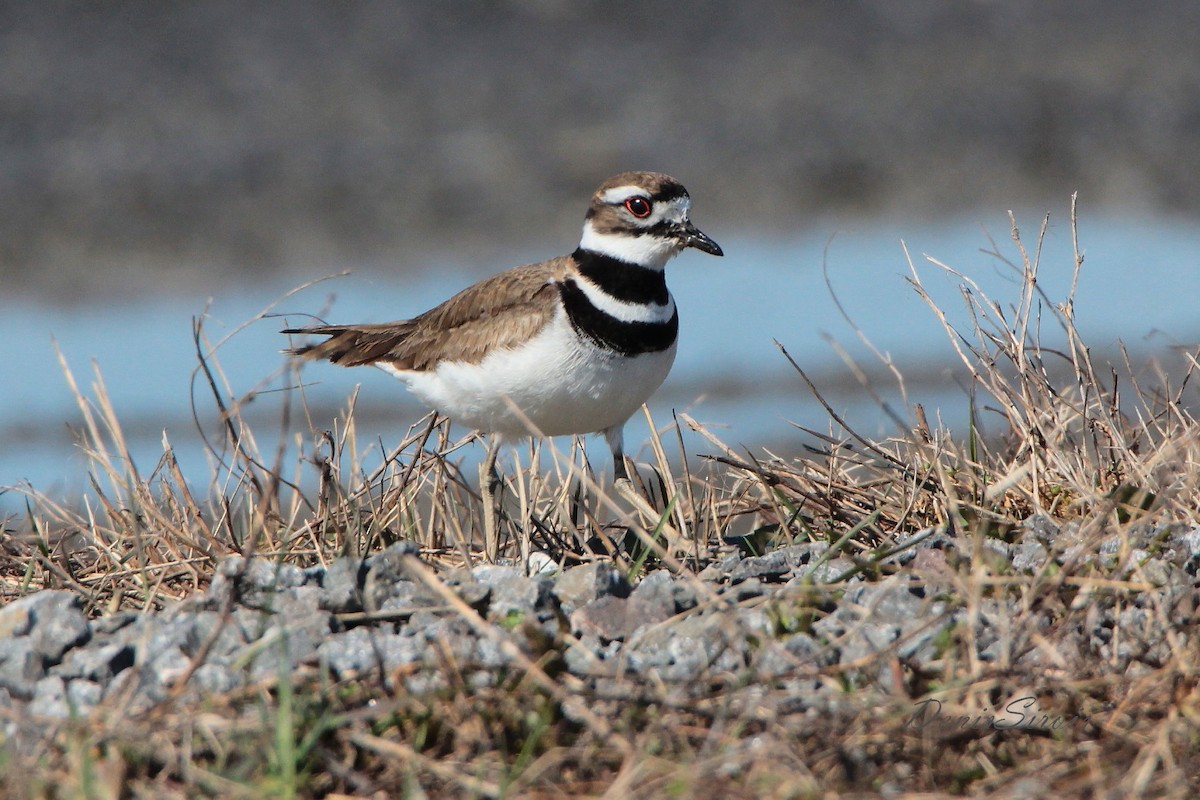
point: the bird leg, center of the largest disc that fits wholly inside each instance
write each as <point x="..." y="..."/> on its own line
<point x="615" y="437"/>
<point x="489" y="483"/>
<point x="624" y="487"/>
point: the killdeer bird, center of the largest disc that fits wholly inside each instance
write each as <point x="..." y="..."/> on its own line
<point x="572" y="345"/>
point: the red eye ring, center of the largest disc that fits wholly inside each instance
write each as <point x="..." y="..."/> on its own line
<point x="639" y="206"/>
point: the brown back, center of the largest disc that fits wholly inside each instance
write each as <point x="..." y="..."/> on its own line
<point x="501" y="311"/>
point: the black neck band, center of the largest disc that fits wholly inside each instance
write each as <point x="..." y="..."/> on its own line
<point x="610" y="333"/>
<point x="621" y="280"/>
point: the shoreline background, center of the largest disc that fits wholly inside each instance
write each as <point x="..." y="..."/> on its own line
<point x="149" y="147"/>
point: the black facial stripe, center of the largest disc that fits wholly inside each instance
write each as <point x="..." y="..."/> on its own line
<point x="622" y="280"/>
<point x="610" y="333"/>
<point x="664" y="229"/>
<point x="669" y="193"/>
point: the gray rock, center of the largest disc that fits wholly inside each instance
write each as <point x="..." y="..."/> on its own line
<point x="271" y="642"/>
<point x="772" y="661"/>
<point x="1039" y="527"/>
<point x="406" y="594"/>
<point x="988" y="641"/>
<point x="224" y="638"/>
<point x="364" y="649"/>
<point x="867" y="640"/>
<point x="436" y="623"/>
<point x="426" y="681"/>
<point x="151" y="637"/>
<point x="213" y="679"/>
<point x="1188" y="540"/>
<point x="1070" y="543"/>
<point x="283" y="648"/>
<point x="1030" y="555"/>
<point x="164" y="669"/>
<point x="99" y="662"/>
<point x="16" y="617"/>
<point x="578" y="586"/>
<point x="753" y="624"/>
<point x="923" y="539"/>
<point x="512" y="594"/>
<point x="391" y="563"/>
<point x="541" y="563"/>
<point x="252" y="582"/>
<point x="1153" y="570"/>
<point x="582" y="660"/>
<point x="870" y="618"/>
<point x="59" y="624"/>
<point x="934" y="569"/>
<point x="446" y="636"/>
<point x="113" y="622"/>
<point x="40" y="630"/>
<point x="301" y="606"/>
<point x="797" y="652"/>
<point x="662" y="591"/>
<point x="745" y="590"/>
<point x="314" y="575"/>
<point x="615" y="618"/>
<point x="685" y="596"/>
<point x="247" y="625"/>
<point x="720" y="570"/>
<point x="84" y="695"/>
<point x="59" y="699"/>
<point x="825" y="573"/>
<point x="770" y="567"/>
<point x="20" y="667"/>
<point x="388" y="576"/>
<point x="622" y="634"/>
<point x="391" y="558"/>
<point x="996" y="551"/>
<point x="489" y="654"/>
<point x="688" y="648"/>
<point x="891" y="601"/>
<point x="807" y="650"/>
<point x="471" y="591"/>
<point x="799" y="555"/>
<point x="226" y="635"/>
<point x="342" y="584"/>
<point x="52" y="620"/>
<point x="135" y="690"/>
<point x="921" y="643"/>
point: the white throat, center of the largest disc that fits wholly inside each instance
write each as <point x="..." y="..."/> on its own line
<point x="648" y="251"/>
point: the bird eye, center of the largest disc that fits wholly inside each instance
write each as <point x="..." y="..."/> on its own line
<point x="638" y="206"/>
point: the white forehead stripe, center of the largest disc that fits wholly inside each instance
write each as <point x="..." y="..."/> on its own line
<point x="620" y="194"/>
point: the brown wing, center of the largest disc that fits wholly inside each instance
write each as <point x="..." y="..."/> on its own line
<point x="501" y="311"/>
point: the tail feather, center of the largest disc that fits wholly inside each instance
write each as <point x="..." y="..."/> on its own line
<point x="350" y="346"/>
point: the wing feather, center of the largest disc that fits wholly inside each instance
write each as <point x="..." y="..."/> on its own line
<point x="501" y="311"/>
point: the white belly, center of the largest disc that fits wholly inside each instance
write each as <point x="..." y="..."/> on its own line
<point x="557" y="383"/>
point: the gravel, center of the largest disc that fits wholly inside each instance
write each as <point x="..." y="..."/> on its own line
<point x="764" y="618"/>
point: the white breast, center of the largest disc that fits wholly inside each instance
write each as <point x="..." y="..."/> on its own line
<point x="556" y="382"/>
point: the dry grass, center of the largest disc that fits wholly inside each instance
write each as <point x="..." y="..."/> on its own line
<point x="1112" y="454"/>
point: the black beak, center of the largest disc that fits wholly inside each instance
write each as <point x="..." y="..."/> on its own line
<point x="689" y="235"/>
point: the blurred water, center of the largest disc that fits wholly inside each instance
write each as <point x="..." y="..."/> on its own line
<point x="1139" y="283"/>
